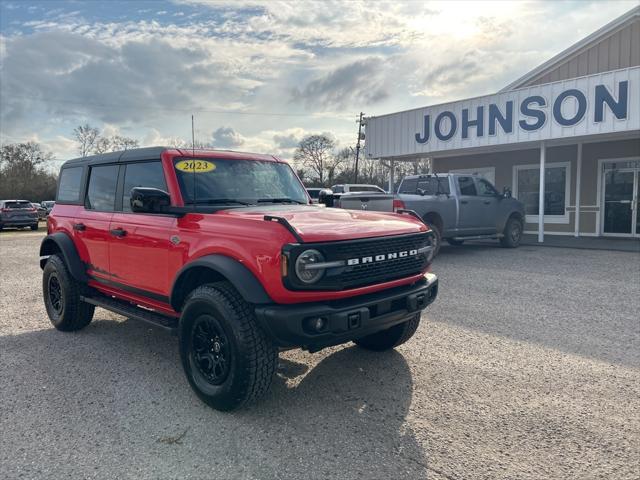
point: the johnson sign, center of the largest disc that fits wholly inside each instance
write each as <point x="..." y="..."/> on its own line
<point x="602" y="103"/>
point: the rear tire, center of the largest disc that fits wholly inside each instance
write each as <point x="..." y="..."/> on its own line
<point x="228" y="359"/>
<point x="391" y="337"/>
<point x="34" y="227"/>
<point x="512" y="233"/>
<point x="455" y="243"/>
<point x="62" y="297"/>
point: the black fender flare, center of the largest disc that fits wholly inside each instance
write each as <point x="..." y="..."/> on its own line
<point x="230" y="269"/>
<point x="61" y="242"/>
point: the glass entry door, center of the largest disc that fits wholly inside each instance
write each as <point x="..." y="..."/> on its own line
<point x="621" y="215"/>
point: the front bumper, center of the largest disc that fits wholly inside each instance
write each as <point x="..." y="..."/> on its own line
<point x="345" y="320"/>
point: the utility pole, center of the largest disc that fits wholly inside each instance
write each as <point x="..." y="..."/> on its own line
<point x="355" y="180"/>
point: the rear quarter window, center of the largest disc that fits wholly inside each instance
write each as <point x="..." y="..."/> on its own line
<point x="70" y="185"/>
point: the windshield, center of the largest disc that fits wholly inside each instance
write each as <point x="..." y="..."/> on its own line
<point x="220" y="181"/>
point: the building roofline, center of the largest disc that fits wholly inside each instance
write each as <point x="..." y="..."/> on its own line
<point x="607" y="30"/>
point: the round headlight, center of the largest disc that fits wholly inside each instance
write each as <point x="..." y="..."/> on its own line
<point x="305" y="266"/>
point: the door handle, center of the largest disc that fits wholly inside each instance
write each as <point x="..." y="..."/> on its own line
<point x="80" y="227"/>
<point x="118" y="232"/>
<point x="487" y="202"/>
<point x="464" y="202"/>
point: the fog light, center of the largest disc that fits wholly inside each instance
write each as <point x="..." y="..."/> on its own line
<point x="317" y="324"/>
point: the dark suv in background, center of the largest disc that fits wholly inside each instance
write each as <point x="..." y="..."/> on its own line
<point x="18" y="214"/>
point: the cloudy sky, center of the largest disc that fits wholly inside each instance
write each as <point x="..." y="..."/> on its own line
<point x="259" y="75"/>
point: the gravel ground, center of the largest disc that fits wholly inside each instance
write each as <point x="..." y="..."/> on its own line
<point x="526" y="367"/>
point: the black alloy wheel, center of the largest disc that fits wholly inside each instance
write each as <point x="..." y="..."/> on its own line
<point x="55" y="294"/>
<point x="210" y="350"/>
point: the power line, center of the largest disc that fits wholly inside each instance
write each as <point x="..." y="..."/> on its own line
<point x="167" y="109"/>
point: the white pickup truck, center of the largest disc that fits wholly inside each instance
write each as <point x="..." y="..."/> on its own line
<point x="358" y="197"/>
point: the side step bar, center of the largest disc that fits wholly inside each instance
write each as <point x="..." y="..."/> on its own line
<point x="481" y="237"/>
<point x="128" y="310"/>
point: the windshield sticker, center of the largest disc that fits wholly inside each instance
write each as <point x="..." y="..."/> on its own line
<point x="195" y="166"/>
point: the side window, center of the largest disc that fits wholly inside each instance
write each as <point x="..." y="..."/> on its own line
<point x="408" y="186"/>
<point x="146" y="174"/>
<point x="101" y="194"/>
<point x="467" y="186"/>
<point x="338" y="189"/>
<point x="485" y="188"/>
<point x="69" y="185"/>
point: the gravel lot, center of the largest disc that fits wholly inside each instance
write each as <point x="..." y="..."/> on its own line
<point x="526" y="367"/>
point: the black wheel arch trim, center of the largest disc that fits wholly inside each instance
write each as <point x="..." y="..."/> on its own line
<point x="64" y="244"/>
<point x="237" y="274"/>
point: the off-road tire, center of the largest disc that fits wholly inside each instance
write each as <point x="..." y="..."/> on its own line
<point x="34" y="227"/>
<point x="512" y="233"/>
<point x="253" y="356"/>
<point x="455" y="243"/>
<point x="70" y="313"/>
<point x="437" y="238"/>
<point x="391" y="337"/>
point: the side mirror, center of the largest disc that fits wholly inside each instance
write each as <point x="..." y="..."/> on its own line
<point x="149" y="200"/>
<point x="325" y="197"/>
<point x="506" y="192"/>
<point x="421" y="191"/>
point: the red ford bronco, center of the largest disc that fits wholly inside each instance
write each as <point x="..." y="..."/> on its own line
<point x="226" y="250"/>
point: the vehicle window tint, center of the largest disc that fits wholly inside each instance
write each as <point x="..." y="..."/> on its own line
<point x="69" y="185"/>
<point x="408" y="185"/>
<point x="147" y="174"/>
<point x="467" y="186"/>
<point x="338" y="189"/>
<point x="101" y="194"/>
<point x="314" y="193"/>
<point x="18" y="205"/>
<point x="433" y="185"/>
<point x="485" y="188"/>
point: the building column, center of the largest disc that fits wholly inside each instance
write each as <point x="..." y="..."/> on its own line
<point x="578" y="178"/>
<point x="543" y="154"/>
<point x="392" y="169"/>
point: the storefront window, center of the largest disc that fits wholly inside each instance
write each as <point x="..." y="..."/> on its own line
<point x="556" y="195"/>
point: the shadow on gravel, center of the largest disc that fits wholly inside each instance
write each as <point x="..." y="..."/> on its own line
<point x="118" y="384"/>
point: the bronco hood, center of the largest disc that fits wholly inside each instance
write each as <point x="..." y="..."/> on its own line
<point x="321" y="224"/>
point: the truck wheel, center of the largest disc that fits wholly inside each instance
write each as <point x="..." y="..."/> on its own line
<point x="228" y="359"/>
<point x="34" y="227"/>
<point x="512" y="233"/>
<point x="455" y="243"/>
<point x="62" y="297"/>
<point x="391" y="337"/>
<point x="437" y="238"/>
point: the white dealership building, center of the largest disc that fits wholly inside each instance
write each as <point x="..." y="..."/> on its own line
<point x="574" y="121"/>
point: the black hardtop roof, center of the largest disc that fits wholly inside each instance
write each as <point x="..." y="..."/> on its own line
<point x="147" y="153"/>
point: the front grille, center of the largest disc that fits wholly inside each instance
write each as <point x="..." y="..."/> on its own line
<point x="340" y="278"/>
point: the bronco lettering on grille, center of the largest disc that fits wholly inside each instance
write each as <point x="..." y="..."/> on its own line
<point x="382" y="258"/>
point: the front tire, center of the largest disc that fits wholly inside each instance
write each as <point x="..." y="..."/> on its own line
<point x="391" y="337"/>
<point x="512" y="233"/>
<point x="228" y="359"/>
<point x="66" y="310"/>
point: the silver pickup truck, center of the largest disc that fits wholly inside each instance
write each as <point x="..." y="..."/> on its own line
<point x="458" y="207"/>
<point x="463" y="207"/>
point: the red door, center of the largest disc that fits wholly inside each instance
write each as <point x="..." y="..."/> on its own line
<point x="91" y="226"/>
<point x="140" y="243"/>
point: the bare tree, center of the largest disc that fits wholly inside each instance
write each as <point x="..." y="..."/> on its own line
<point x="315" y="153"/>
<point x="24" y="174"/>
<point x="86" y="136"/>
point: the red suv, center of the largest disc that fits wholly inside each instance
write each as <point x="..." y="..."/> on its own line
<point x="225" y="250"/>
